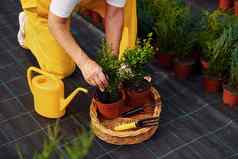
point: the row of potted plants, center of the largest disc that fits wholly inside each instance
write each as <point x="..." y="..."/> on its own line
<point x="180" y="35"/>
<point x="127" y="85"/>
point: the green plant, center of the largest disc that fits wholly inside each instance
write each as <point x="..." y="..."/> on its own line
<point x="168" y="15"/>
<point x="76" y="150"/>
<point x="221" y="49"/>
<point x="110" y="65"/>
<point x="135" y="59"/>
<point x="234" y="69"/>
<point x="212" y="25"/>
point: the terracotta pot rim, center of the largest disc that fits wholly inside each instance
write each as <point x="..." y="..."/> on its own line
<point x="233" y="91"/>
<point x="212" y="77"/>
<point x="187" y="62"/>
<point x="121" y="99"/>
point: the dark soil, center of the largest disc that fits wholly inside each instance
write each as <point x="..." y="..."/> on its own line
<point x="106" y="97"/>
<point x="137" y="86"/>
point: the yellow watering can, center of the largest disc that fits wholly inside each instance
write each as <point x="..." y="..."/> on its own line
<point x="48" y="92"/>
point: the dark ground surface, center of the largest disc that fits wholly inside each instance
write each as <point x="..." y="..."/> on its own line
<point x="194" y="125"/>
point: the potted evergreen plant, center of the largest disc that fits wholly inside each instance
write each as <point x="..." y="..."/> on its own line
<point x="110" y="101"/>
<point x="219" y="64"/>
<point x="185" y="39"/>
<point x="230" y="90"/>
<point x="212" y="26"/>
<point x="166" y="14"/>
<point x="133" y="72"/>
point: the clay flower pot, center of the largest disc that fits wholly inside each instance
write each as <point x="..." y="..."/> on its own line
<point x="212" y="85"/>
<point x="236" y="7"/>
<point x="107" y="108"/>
<point x="183" y="68"/>
<point x="225" y="4"/>
<point x="137" y="97"/>
<point x="230" y="96"/>
<point x="165" y="59"/>
<point x="111" y="110"/>
<point x="204" y="64"/>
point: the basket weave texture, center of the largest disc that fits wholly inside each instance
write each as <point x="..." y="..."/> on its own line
<point x="103" y="129"/>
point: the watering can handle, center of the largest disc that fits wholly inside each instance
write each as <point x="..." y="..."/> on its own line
<point x="37" y="70"/>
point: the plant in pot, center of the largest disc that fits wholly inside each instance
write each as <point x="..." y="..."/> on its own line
<point x="212" y="26"/>
<point x="110" y="101"/>
<point x="185" y="38"/>
<point x="166" y="14"/>
<point x="133" y="72"/>
<point x="219" y="64"/>
<point x="230" y="90"/>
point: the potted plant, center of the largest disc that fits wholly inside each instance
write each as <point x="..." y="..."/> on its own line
<point x="212" y="25"/>
<point x="185" y="38"/>
<point x="230" y="90"/>
<point x="110" y="101"/>
<point x="133" y="72"/>
<point x="166" y="14"/>
<point x="225" y="4"/>
<point x="219" y="64"/>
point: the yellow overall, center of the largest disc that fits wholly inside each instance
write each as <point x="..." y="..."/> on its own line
<point x="50" y="55"/>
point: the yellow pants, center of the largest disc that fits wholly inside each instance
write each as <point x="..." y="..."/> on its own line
<point x="50" y="55"/>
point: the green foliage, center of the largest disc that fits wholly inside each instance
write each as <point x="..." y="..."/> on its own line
<point x="234" y="69"/>
<point x="145" y="18"/>
<point x="76" y="150"/>
<point x="212" y="25"/>
<point x="110" y="65"/>
<point x="221" y="49"/>
<point x="168" y="16"/>
<point x="136" y="58"/>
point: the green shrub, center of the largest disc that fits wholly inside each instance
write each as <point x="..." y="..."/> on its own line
<point x="135" y="59"/>
<point x="110" y="65"/>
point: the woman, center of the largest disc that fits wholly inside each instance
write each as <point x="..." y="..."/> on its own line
<point x="44" y="29"/>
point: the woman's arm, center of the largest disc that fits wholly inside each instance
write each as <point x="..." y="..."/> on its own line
<point x="113" y="25"/>
<point x="91" y="71"/>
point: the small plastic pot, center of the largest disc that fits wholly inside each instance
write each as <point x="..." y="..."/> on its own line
<point x="212" y="85"/>
<point x="183" y="69"/>
<point x="165" y="59"/>
<point x="225" y="4"/>
<point x="236" y="7"/>
<point x="230" y="96"/>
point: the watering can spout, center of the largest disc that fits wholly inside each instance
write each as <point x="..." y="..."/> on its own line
<point x="65" y="102"/>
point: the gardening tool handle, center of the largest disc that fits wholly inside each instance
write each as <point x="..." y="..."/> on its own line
<point x="37" y="70"/>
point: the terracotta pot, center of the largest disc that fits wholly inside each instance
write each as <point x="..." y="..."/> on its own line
<point x="96" y="18"/>
<point x="110" y="111"/>
<point x="212" y="85"/>
<point x="236" y="7"/>
<point x="165" y="59"/>
<point x="230" y="96"/>
<point x="183" y="69"/>
<point x="225" y="4"/>
<point x="135" y="99"/>
<point x="204" y="64"/>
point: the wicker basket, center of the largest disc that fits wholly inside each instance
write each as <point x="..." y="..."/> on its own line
<point x="103" y="128"/>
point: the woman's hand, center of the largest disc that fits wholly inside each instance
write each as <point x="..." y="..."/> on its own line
<point x="93" y="74"/>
